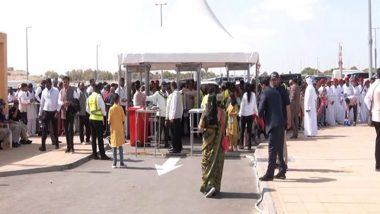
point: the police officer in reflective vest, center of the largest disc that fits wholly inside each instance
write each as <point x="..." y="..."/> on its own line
<point x="96" y="108"/>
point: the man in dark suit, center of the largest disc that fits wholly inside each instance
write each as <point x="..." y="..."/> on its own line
<point x="270" y="108"/>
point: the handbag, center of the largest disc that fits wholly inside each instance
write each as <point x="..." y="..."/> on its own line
<point x="226" y="143"/>
<point x="370" y="122"/>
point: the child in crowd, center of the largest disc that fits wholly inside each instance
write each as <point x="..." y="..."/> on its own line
<point x="232" y="126"/>
<point x="116" y="119"/>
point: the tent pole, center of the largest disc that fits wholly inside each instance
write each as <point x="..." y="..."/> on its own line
<point x="248" y="74"/>
<point x="199" y="87"/>
<point x="147" y="76"/>
<point x="128" y="80"/>
<point x="177" y="72"/>
<point x="228" y="73"/>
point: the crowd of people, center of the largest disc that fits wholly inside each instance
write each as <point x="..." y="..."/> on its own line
<point x="235" y="112"/>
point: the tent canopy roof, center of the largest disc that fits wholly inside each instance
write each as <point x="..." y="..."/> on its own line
<point x="192" y="34"/>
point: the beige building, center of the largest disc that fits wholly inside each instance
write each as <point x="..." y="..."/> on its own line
<point x="3" y="66"/>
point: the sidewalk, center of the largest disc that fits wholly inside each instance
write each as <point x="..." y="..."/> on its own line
<point x="331" y="173"/>
<point x="28" y="159"/>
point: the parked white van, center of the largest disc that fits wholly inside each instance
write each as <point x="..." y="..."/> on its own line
<point x="349" y="74"/>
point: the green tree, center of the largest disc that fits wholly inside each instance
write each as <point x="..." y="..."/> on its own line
<point x="310" y="71"/>
<point x="51" y="74"/>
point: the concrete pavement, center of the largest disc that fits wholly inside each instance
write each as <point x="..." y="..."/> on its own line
<point x="331" y="173"/>
<point x="27" y="159"/>
<point x="95" y="187"/>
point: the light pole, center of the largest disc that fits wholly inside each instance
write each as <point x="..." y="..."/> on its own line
<point x="27" y="52"/>
<point x="97" y="60"/>
<point x="376" y="28"/>
<point x="370" y="37"/>
<point x="161" y="4"/>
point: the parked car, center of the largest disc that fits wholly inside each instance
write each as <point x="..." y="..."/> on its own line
<point x="285" y="78"/>
<point x="350" y="73"/>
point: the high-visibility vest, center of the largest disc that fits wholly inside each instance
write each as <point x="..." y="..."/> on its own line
<point x="95" y="110"/>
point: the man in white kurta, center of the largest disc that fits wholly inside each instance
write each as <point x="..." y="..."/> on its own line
<point x="338" y="102"/>
<point x="310" y="109"/>
<point x="363" y="107"/>
<point x="330" y="113"/>
<point x="159" y="98"/>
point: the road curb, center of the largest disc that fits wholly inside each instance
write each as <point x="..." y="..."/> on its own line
<point x="266" y="205"/>
<point x="48" y="168"/>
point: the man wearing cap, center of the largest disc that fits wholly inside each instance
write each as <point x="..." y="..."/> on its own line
<point x="347" y="88"/>
<point x="159" y="99"/>
<point x="285" y="104"/>
<point x="338" y="107"/>
<point x="322" y="108"/>
<point x="356" y="96"/>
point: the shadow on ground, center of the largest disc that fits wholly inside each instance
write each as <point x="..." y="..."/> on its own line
<point x="319" y="170"/>
<point x="309" y="180"/>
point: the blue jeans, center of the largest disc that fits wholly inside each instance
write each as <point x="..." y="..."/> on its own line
<point x="120" y="154"/>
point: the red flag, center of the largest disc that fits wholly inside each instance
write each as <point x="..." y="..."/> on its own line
<point x="340" y="58"/>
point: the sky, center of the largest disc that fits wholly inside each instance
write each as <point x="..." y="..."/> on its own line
<point x="289" y="35"/>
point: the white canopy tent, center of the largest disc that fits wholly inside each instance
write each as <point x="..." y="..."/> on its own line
<point x="192" y="34"/>
<point x="191" y="39"/>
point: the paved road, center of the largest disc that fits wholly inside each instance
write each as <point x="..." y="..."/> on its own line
<point x="97" y="188"/>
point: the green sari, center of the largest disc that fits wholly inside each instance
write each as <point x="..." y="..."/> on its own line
<point x="212" y="153"/>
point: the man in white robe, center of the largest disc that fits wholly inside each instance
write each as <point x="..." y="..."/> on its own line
<point x="310" y="109"/>
<point x="362" y="106"/>
<point x="356" y="90"/>
<point x="338" y="102"/>
<point x="330" y="113"/>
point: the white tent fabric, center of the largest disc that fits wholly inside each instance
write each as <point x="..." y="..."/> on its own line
<point x="192" y="34"/>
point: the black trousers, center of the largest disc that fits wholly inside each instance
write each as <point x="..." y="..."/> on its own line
<point x="47" y="119"/>
<point x="84" y="122"/>
<point x="377" y="146"/>
<point x="69" y="130"/>
<point x="295" y="122"/>
<point x="164" y="128"/>
<point x="97" y="133"/>
<point x="185" y="124"/>
<point x="276" y="148"/>
<point x="355" y="107"/>
<point x="246" y="123"/>
<point x="24" y="117"/>
<point x="176" y="131"/>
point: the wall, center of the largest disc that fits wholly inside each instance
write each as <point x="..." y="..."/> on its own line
<point x="3" y="67"/>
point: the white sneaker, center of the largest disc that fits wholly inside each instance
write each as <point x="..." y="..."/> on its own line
<point x="113" y="166"/>
<point x="210" y="192"/>
<point x="123" y="166"/>
<point x="83" y="143"/>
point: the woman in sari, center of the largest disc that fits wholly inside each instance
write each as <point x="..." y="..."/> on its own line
<point x="212" y="125"/>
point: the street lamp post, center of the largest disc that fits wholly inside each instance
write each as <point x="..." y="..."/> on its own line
<point x="97" y="60"/>
<point x="370" y="36"/>
<point x="375" y="29"/>
<point x="27" y="52"/>
<point x="161" y="4"/>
